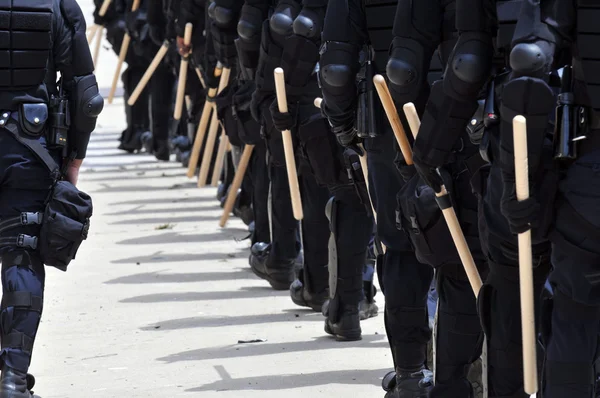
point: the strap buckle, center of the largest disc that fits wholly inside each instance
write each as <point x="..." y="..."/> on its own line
<point x="27" y="241"/>
<point x="31" y="218"/>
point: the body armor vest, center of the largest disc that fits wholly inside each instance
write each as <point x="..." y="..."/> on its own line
<point x="586" y="61"/>
<point x="380" y="15"/>
<point x="25" y="43"/>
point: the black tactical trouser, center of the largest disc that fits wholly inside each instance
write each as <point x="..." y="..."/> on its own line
<point x="137" y="117"/>
<point x="405" y="281"/>
<point x="323" y="167"/>
<point x="572" y="325"/>
<point x="499" y="302"/>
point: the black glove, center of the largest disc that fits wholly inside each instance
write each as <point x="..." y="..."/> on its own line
<point x="428" y="174"/>
<point x="521" y="215"/>
<point x="346" y="134"/>
<point x="134" y="23"/>
<point x="210" y="79"/>
<point x="406" y="171"/>
<point x="284" y="121"/>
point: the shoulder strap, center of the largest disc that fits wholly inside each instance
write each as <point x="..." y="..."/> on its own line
<point x="34" y="146"/>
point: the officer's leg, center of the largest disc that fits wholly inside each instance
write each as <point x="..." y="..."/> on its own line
<point x="498" y="301"/>
<point x="23" y="273"/>
<point x="260" y="194"/>
<point x="459" y="341"/>
<point x="136" y="115"/>
<point x="310" y="289"/>
<point x="572" y="339"/>
<point x="161" y="88"/>
<point x="275" y="262"/>
<point x="406" y="321"/>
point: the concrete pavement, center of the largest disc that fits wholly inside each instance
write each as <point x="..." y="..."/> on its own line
<point x="159" y="298"/>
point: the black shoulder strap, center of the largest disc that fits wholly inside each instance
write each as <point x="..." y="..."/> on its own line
<point x="34" y="146"/>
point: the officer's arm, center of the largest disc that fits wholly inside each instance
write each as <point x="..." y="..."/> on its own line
<point x="538" y="37"/>
<point x="225" y="15"/>
<point x="412" y="47"/>
<point x="339" y="63"/>
<point x="74" y="61"/>
<point x="249" y="29"/>
<point x="453" y="101"/>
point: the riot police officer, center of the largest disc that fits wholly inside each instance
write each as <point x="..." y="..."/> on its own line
<point x="136" y="116"/>
<point x="47" y="37"/>
<point x="560" y="33"/>
<point x="449" y="110"/>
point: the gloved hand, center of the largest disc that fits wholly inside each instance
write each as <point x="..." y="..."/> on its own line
<point x="428" y="173"/>
<point x="346" y="134"/>
<point x="521" y="215"/>
<point x="134" y="23"/>
<point x="284" y="121"/>
<point x="405" y="170"/>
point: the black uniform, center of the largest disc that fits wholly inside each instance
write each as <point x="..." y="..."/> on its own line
<point x="562" y="33"/>
<point x="137" y="116"/>
<point x="420" y="28"/>
<point x="447" y="114"/>
<point x="145" y="42"/>
<point x="348" y="27"/>
<point x="45" y="37"/>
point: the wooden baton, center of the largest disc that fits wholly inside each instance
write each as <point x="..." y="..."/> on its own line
<point x="212" y="133"/>
<point x="530" y="377"/>
<point x="122" y="55"/>
<point x="236" y="184"/>
<point x="288" y="147"/>
<point x="99" y="34"/>
<point x="202" y="126"/>
<point x="183" y="69"/>
<point x="219" y="162"/>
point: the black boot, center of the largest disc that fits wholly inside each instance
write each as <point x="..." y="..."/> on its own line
<point x="302" y="295"/>
<point x="161" y="150"/>
<point x="16" y="384"/>
<point x="342" y="321"/>
<point x="401" y="384"/>
<point x="279" y="274"/>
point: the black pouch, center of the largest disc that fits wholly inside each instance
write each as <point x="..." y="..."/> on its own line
<point x="32" y="119"/>
<point x="422" y="219"/>
<point x="65" y="224"/>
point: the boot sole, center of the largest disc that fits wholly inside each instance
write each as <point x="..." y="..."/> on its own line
<point x="371" y="313"/>
<point x="275" y="282"/>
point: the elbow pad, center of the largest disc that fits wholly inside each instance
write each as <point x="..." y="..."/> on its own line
<point x="282" y="20"/>
<point x="405" y="69"/>
<point x="309" y="23"/>
<point x="469" y="66"/>
<point x="86" y="105"/>
<point x="532" y="59"/>
<point x="250" y="25"/>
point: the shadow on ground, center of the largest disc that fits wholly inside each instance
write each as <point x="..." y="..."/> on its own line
<point x="247" y="292"/>
<point x="175" y="237"/>
<point x="293" y="381"/>
<point x="258" y="349"/>
<point x="298" y="316"/>
<point x="161" y="257"/>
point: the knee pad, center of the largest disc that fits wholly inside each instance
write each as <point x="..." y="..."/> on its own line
<point x="309" y="23"/>
<point x="469" y="66"/>
<point x="405" y="69"/>
<point x="282" y="20"/>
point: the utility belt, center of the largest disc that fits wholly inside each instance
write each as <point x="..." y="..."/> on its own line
<point x="65" y="221"/>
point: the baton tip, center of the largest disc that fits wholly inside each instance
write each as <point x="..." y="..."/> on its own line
<point x="378" y="79"/>
<point x="278" y="71"/>
<point x="317" y="102"/>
